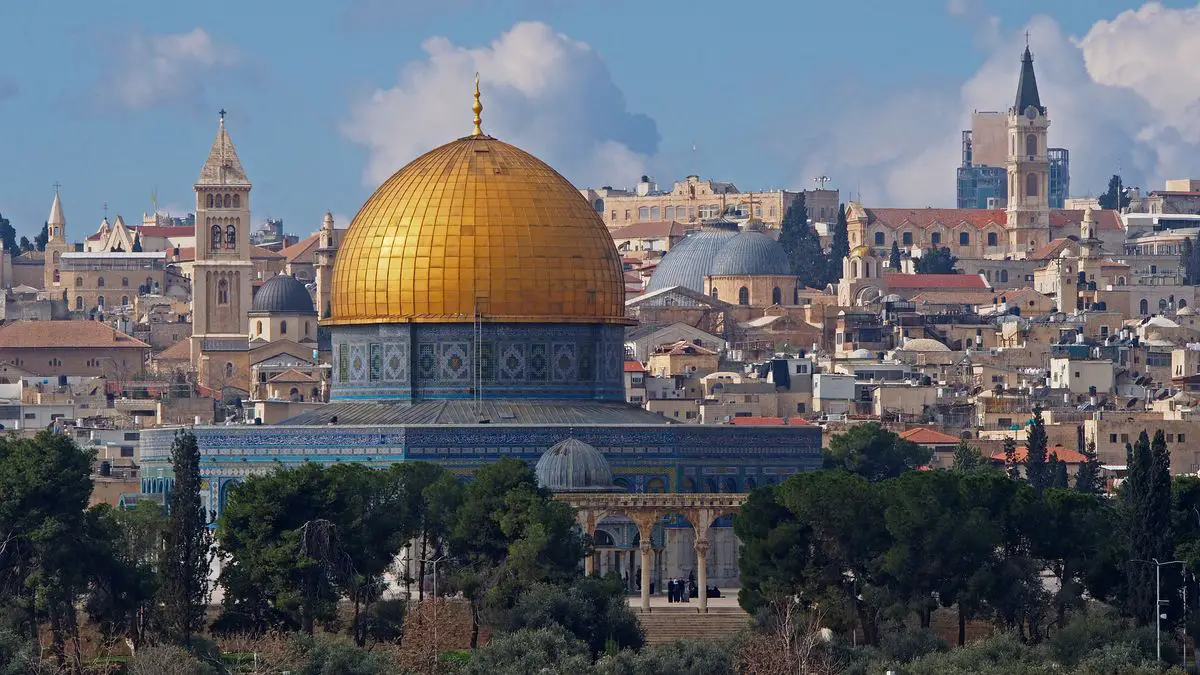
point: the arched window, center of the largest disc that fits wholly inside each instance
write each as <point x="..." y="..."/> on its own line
<point x="99" y="282"/>
<point x="56" y="276"/>
<point x="866" y="269"/>
<point x="713" y="292"/>
<point x="1031" y="145"/>
<point x="228" y="201"/>
<point x="258" y="327"/>
<point x="228" y="369"/>
<point x="230" y="236"/>
<point x="854" y="270"/>
<point x="283" y="327"/>
<point x="776" y="296"/>
<point x="124" y="299"/>
<point x="99" y="300"/>
<point x="1003" y="276"/>
<point x="992" y="239"/>
<point x="655" y="486"/>
<point x="222" y="292"/>
<point x="210" y="201"/>
<point x="1031" y="185"/>
<point x="78" y="282"/>
<point x="306" y="328"/>
<point x="124" y="282"/>
<point x="1144" y="307"/>
<point x="262" y="377"/>
<point x="294" y="394"/>
<point x="316" y="394"/>
<point x="879" y="239"/>
<point x="216" y="236"/>
<point x="964" y="238"/>
<point x="743" y="296"/>
<point x="79" y="302"/>
<point x="1182" y="303"/>
<point x="237" y="201"/>
<point x="1120" y="281"/>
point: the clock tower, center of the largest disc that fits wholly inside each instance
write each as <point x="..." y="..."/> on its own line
<point x="1028" y="215"/>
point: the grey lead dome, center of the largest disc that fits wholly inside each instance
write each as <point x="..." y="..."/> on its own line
<point x="751" y="254"/>
<point x="574" y="466"/>
<point x="285" y="294"/>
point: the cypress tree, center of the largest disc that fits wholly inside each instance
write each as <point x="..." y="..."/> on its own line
<point x="1035" y="458"/>
<point x="839" y="247"/>
<point x="1087" y="480"/>
<point x="802" y="245"/>
<point x="1146" y="503"/>
<point x="183" y="570"/>
<point x="894" y="257"/>
<point x="1187" y="257"/>
<point x="1010" y="459"/>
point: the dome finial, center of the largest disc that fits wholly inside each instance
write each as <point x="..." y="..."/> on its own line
<point x="477" y="108"/>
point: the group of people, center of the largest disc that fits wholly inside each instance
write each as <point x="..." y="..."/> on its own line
<point x="679" y="590"/>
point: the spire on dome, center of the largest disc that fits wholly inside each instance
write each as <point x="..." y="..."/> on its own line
<point x="223" y="166"/>
<point x="56" y="213"/>
<point x="1027" y="91"/>
<point x="477" y="108"/>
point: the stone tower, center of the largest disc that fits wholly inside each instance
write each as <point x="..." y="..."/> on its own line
<point x="223" y="272"/>
<point x="326" y="251"/>
<point x="1028" y="166"/>
<point x="56" y="245"/>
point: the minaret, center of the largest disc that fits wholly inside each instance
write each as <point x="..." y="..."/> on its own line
<point x="1089" y="244"/>
<point x="326" y="251"/>
<point x="56" y="245"/>
<point x="1028" y="166"/>
<point x="223" y="273"/>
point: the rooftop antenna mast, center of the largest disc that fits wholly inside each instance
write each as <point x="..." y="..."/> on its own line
<point x="821" y="181"/>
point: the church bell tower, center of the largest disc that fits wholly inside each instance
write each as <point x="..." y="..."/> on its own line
<point x="1028" y="215"/>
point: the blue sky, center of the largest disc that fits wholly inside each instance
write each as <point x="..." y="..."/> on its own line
<point x="325" y="99"/>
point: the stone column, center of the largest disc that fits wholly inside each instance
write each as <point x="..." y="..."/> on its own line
<point x="645" y="575"/>
<point x="589" y="564"/>
<point x="702" y="574"/>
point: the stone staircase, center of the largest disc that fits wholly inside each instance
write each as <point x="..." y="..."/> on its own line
<point x="666" y="624"/>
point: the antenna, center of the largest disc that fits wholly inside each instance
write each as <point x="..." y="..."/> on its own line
<point x="821" y="181"/>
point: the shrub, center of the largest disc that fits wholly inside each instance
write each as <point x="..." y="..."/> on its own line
<point x="552" y="651"/>
<point x="167" y="660"/>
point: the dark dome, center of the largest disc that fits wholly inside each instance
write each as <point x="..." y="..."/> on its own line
<point x="751" y="254"/>
<point x="574" y="466"/>
<point x="283" y="294"/>
<point x="689" y="261"/>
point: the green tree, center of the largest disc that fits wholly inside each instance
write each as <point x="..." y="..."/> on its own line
<point x="1187" y="261"/>
<point x="873" y="452"/>
<point x="1146" y="501"/>
<point x="1087" y="478"/>
<point x="1011" y="466"/>
<point x="8" y="235"/>
<point x="937" y="261"/>
<point x="183" y="568"/>
<point x="25" y="245"/>
<point x="894" y="260"/>
<point x="968" y="458"/>
<point x="681" y="657"/>
<point x="42" y="237"/>
<point x="1073" y="536"/>
<point x="839" y="247"/>
<point x="802" y="245"/>
<point x="137" y="243"/>
<point x="1114" y="197"/>
<point x="508" y="534"/>
<point x="592" y="609"/>
<point x="1036" y="445"/>
<point x="774" y="554"/>
<point x="122" y="599"/>
<point x="553" y="651"/>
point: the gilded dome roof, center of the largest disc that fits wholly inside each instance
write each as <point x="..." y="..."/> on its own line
<point x="477" y="221"/>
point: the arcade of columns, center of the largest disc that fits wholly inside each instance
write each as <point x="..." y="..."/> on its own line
<point x="646" y="510"/>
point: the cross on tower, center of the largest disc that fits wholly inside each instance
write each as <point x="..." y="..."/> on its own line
<point x="222" y="111"/>
<point x="1027" y="39"/>
<point x="57" y="185"/>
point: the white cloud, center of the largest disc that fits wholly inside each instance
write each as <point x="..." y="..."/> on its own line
<point x="542" y="91"/>
<point x="165" y="69"/>
<point x="1124" y="95"/>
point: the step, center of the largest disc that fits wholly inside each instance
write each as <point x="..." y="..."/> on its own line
<point x="666" y="624"/>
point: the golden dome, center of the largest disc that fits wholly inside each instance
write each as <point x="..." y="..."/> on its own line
<point x="477" y="222"/>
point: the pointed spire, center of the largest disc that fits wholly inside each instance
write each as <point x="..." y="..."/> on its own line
<point x="56" y="213"/>
<point x="477" y="108"/>
<point x="223" y="166"/>
<point x="1027" y="91"/>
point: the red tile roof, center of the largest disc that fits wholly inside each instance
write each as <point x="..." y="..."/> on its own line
<point x="981" y="218"/>
<point x="1064" y="455"/>
<point x="926" y="436"/>
<point x="1051" y="250"/>
<point x="180" y="351"/>
<point x="651" y="230"/>
<point x="935" y="281"/>
<point x="72" y="334"/>
<point x="634" y="367"/>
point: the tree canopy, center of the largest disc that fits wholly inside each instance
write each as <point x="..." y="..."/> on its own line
<point x="937" y="261"/>
<point x="1114" y="197"/>
<point x="802" y="245"/>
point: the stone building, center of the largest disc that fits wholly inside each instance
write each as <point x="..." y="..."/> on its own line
<point x="72" y="349"/>
<point x="101" y="281"/>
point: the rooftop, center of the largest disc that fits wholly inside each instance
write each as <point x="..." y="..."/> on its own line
<point x="496" y="412"/>
<point x="65" y="334"/>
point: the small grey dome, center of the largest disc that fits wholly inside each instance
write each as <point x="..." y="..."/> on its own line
<point x="689" y="260"/>
<point x="574" y="466"/>
<point x="751" y="254"/>
<point x="283" y="293"/>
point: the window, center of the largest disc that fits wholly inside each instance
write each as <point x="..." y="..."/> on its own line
<point x="127" y="451"/>
<point x="124" y="300"/>
<point x="801" y="407"/>
<point x="228" y="369"/>
<point x="79" y="302"/>
<point x="627" y="212"/>
<point x="294" y="395"/>
<point x="935" y="238"/>
<point x="776" y="296"/>
<point x="210" y="201"/>
<point x="306" y="328"/>
<point x="230" y="236"/>
<point x="99" y="300"/>
<point x="99" y="282"/>
<point x="879" y="239"/>
<point x="613" y="215"/>
<point x="237" y="201"/>
<point x="1124" y="438"/>
<point x="743" y="296"/>
<point x="132" y="436"/>
<point x="258" y="328"/>
<point x="78" y="282"/>
<point x="964" y="238"/>
<point x="1112" y="438"/>
<point x="1031" y="185"/>
<point x="654" y="213"/>
<point x="216" y="236"/>
<point x="283" y="327"/>
<point x="713" y="292"/>
<point x="1181" y="439"/>
<point x="643" y="213"/>
<point x="56" y="276"/>
<point x="1144" y="307"/>
<point x="375" y="353"/>
<point x="1031" y="145"/>
<point x="906" y="239"/>
<point x="992" y="239"/>
<point x="228" y="201"/>
<point x="223" y="292"/>
<point x="1003" y="276"/>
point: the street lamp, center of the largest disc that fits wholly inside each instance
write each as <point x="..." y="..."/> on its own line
<point x="1158" y="613"/>
<point x="434" y="562"/>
